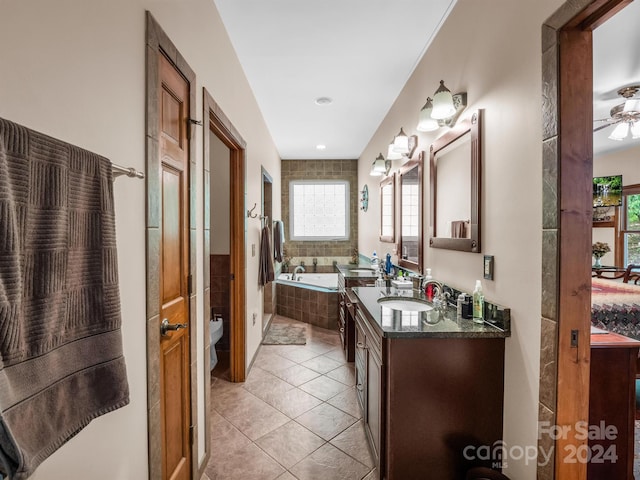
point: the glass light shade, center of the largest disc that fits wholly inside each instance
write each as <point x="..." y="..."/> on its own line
<point x="425" y="122"/>
<point x="635" y="129"/>
<point x="442" y="103"/>
<point x="401" y="143"/>
<point x="378" y="168"/>
<point x="620" y="132"/>
<point x="631" y="105"/>
<point x="392" y="154"/>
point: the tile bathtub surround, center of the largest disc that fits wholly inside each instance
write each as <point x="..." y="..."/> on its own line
<point x="321" y="170"/>
<point x="310" y="306"/>
<point x="296" y="416"/>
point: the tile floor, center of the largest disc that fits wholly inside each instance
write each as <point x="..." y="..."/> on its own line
<point x="296" y="416"/>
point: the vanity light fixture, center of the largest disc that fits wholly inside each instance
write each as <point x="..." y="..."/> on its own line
<point x="403" y="145"/>
<point x="392" y="154"/>
<point x="442" y="103"/>
<point x="441" y="111"/>
<point x="426" y="123"/>
<point x="379" y="166"/>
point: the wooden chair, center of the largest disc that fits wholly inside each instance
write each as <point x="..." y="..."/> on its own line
<point x="632" y="274"/>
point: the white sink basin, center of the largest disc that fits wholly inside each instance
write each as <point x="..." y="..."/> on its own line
<point x="362" y="270"/>
<point x="404" y="304"/>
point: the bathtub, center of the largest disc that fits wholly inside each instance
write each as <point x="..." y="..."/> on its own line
<point x="312" y="299"/>
<point x="304" y="280"/>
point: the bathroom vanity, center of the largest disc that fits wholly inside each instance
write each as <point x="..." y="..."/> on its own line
<point x="350" y="276"/>
<point x="430" y="387"/>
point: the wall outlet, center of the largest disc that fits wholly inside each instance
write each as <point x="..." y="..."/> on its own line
<point x="255" y="316"/>
<point x="253" y="249"/>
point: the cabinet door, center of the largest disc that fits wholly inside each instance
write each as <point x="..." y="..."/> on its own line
<point x="373" y="402"/>
<point x="361" y="368"/>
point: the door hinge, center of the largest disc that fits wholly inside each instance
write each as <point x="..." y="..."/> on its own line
<point x="190" y="284"/>
<point x="192" y="434"/>
<point x="232" y="276"/>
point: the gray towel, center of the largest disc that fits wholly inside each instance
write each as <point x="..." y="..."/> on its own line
<point x="265" y="275"/>
<point x="61" y="362"/>
<point x="278" y="240"/>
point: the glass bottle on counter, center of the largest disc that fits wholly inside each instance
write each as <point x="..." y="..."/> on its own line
<point x="478" y="303"/>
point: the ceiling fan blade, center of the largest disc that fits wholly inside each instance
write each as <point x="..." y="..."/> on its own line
<point x="605" y="126"/>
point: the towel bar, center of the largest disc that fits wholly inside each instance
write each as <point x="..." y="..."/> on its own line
<point x="128" y="171"/>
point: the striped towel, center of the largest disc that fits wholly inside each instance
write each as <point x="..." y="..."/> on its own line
<point x="61" y="362"/>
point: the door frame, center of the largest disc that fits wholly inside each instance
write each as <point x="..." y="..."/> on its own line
<point x="157" y="42"/>
<point x="567" y="146"/>
<point x="215" y="121"/>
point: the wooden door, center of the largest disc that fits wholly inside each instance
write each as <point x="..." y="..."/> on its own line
<point x="175" y="401"/>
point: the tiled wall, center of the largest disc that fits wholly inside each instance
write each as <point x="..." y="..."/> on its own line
<point x="307" y="305"/>
<point x="220" y="268"/>
<point x="321" y="170"/>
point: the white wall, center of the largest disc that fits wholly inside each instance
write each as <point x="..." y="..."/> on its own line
<point x="492" y="50"/>
<point x="75" y="69"/>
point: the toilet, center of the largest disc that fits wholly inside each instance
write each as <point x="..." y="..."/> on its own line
<point x="215" y="334"/>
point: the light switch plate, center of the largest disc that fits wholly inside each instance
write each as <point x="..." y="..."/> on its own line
<point x="253" y="249"/>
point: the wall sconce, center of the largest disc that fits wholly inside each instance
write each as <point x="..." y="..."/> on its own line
<point x="402" y="146"/>
<point x="380" y="166"/>
<point x="442" y="111"/>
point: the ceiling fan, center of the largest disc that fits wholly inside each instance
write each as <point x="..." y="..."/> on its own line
<point x="625" y="115"/>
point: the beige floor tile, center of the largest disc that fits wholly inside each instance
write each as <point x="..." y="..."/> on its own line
<point x="225" y="438"/>
<point x="353" y="442"/>
<point x="247" y="463"/>
<point x="326" y="421"/>
<point x="297" y="375"/>
<point x="227" y="400"/>
<point x="321" y="364"/>
<point x="265" y="384"/>
<point x="297" y="353"/>
<point x="344" y="374"/>
<point x="274" y="363"/>
<point x="329" y="463"/>
<point x="320" y="346"/>
<point x="347" y="401"/>
<point x="338" y="355"/>
<point x="290" y="443"/>
<point x="254" y="417"/>
<point x="293" y="403"/>
<point x="286" y="476"/>
<point x="373" y="475"/>
<point x="324" y="388"/>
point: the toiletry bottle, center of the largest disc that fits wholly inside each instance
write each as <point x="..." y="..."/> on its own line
<point x="374" y="260"/>
<point x="459" y="304"/>
<point x="478" y="303"/>
<point x="387" y="264"/>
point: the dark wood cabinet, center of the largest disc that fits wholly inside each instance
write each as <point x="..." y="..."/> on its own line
<point x="428" y="403"/>
<point x="369" y="378"/>
<point x="612" y="402"/>
<point x="347" y="306"/>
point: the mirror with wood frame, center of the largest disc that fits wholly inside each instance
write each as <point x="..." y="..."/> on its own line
<point x="387" y="209"/>
<point x="455" y="181"/>
<point x="410" y="244"/>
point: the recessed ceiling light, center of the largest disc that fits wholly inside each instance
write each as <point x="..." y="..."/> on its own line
<point x="324" y="101"/>
<point x="321" y="147"/>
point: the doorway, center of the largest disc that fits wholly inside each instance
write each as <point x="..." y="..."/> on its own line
<point x="226" y="147"/>
<point x="567" y="73"/>
<point x="268" y="297"/>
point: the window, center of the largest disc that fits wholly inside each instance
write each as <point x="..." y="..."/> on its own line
<point x="319" y="209"/>
<point x="631" y="225"/>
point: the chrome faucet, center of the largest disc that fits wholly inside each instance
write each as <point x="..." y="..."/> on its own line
<point x="295" y="270"/>
<point x="440" y="296"/>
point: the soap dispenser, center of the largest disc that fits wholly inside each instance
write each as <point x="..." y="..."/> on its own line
<point x="388" y="265"/>
<point x="478" y="303"/>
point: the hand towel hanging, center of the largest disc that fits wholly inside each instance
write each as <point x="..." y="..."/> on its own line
<point x="265" y="274"/>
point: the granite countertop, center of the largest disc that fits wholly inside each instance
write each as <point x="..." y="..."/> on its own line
<point x="348" y="271"/>
<point x="392" y="323"/>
